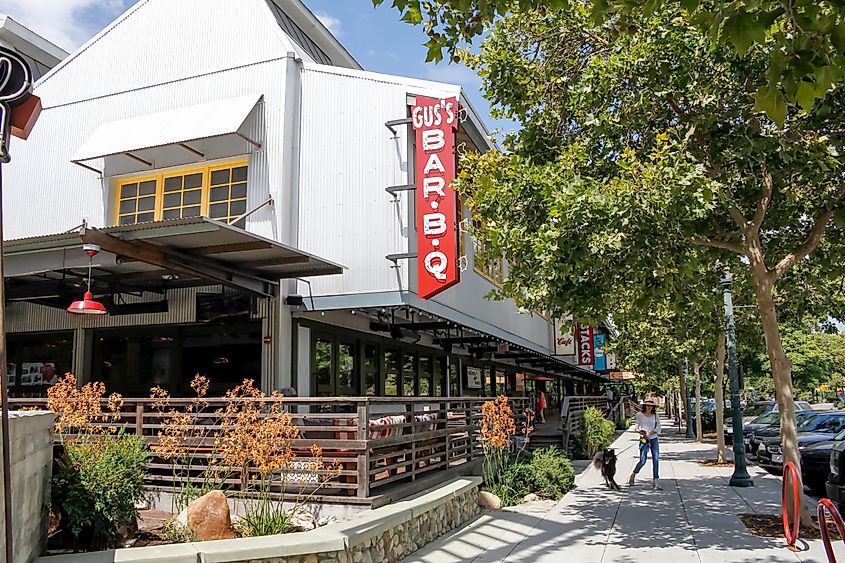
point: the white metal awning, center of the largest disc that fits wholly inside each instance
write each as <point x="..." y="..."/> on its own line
<point x="184" y="134"/>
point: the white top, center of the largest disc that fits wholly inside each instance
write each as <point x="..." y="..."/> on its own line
<point x="648" y="424"/>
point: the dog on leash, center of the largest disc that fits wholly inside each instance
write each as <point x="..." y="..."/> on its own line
<point x="606" y="462"/>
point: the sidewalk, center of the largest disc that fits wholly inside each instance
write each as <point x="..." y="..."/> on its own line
<point x="692" y="520"/>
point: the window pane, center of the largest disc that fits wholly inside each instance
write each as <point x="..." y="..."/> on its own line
<point x="391" y="373"/>
<point x="239" y="174"/>
<point x="425" y="376"/>
<point x="127" y="220"/>
<point x="192" y="197"/>
<point x="237" y="208"/>
<point x="371" y="369"/>
<point x="191" y="211"/>
<point x="454" y="390"/>
<point x="127" y="206"/>
<point x="172" y="200"/>
<point x="172" y="214"/>
<point x="220" y="177"/>
<point x="409" y="374"/>
<point x="128" y="190"/>
<point x="174" y="183"/>
<point x="323" y="367"/>
<point x="145" y="217"/>
<point x="146" y="204"/>
<point x="148" y="188"/>
<point x="238" y="191"/>
<point x="220" y="194"/>
<point x="193" y="181"/>
<point x="347" y="379"/>
<point x="218" y="210"/>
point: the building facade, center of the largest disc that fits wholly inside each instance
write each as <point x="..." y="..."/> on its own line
<point x="234" y="161"/>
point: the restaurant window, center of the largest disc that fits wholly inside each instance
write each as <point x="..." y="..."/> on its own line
<point x="440" y="377"/>
<point x="426" y="374"/>
<point x="215" y="191"/>
<point x="391" y="373"/>
<point x="409" y="374"/>
<point x="225" y="354"/>
<point x="371" y="369"/>
<point x="35" y="362"/>
<point x="335" y="367"/>
<point x="454" y="378"/>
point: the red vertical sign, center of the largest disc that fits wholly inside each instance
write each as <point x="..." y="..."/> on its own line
<point x="435" y="121"/>
<point x="584" y="339"/>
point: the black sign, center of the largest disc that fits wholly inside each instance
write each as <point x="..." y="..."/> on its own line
<point x="15" y="89"/>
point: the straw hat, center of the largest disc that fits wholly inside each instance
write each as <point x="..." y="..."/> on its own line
<point x="649" y="402"/>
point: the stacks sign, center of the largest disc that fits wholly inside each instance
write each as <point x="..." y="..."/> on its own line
<point x="435" y="121"/>
<point x="564" y="338"/>
<point x="584" y="340"/>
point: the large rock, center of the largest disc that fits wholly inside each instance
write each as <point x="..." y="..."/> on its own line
<point x="489" y="500"/>
<point x="209" y="517"/>
<point x="302" y="521"/>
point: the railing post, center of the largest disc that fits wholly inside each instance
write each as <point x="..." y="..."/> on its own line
<point x="363" y="456"/>
<point x="139" y="419"/>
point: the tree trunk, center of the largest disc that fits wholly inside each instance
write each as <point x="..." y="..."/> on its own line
<point x="719" y="378"/>
<point x="699" y="431"/>
<point x="684" y="405"/>
<point x="782" y="375"/>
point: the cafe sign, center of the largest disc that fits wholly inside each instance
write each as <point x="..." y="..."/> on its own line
<point x="435" y="121"/>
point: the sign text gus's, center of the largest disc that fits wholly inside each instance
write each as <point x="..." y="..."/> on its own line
<point x="435" y="122"/>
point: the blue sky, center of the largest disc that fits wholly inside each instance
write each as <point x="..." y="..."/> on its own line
<point x="374" y="36"/>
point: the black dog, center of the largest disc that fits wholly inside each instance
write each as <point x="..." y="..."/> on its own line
<point x="606" y="461"/>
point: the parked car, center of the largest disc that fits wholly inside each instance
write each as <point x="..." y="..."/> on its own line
<point x="764" y="408"/>
<point x="760" y="432"/>
<point x="823" y="427"/>
<point x="815" y="463"/>
<point x="835" y="485"/>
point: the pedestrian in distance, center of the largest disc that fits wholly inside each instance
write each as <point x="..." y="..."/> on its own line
<point x="648" y="425"/>
<point x="542" y="405"/>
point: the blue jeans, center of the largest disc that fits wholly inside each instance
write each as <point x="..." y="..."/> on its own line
<point x="653" y="445"/>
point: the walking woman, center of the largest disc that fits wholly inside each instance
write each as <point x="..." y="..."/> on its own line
<point x="648" y="425"/>
<point x="542" y="405"/>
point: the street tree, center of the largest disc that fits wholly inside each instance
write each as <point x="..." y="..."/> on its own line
<point x="805" y="39"/>
<point x="643" y="156"/>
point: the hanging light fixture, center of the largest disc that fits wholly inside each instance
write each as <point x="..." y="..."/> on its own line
<point x="88" y="306"/>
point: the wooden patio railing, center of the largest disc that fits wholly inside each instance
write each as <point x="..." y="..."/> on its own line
<point x="376" y="441"/>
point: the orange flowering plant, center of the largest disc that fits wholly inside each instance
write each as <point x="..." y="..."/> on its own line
<point x="79" y="411"/>
<point x="498" y="428"/>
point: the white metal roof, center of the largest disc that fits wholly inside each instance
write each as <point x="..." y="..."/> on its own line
<point x="182" y="125"/>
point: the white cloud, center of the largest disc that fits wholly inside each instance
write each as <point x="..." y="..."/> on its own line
<point x="332" y="23"/>
<point x="62" y="21"/>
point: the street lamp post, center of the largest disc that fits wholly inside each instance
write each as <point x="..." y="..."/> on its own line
<point x="687" y="410"/>
<point x="740" y="477"/>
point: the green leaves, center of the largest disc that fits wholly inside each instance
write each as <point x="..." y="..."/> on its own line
<point x="770" y="101"/>
<point x="744" y="29"/>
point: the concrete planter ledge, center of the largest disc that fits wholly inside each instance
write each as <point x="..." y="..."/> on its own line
<point x="389" y="532"/>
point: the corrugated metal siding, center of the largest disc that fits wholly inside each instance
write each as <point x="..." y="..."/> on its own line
<point x="348" y="158"/>
<point x="182" y="309"/>
<point x="60" y="195"/>
<point x="299" y="37"/>
<point x="163" y="40"/>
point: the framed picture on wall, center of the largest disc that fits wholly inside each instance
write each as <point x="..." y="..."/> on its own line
<point x="473" y="378"/>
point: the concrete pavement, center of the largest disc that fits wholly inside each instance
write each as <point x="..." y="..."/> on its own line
<point x="694" y="519"/>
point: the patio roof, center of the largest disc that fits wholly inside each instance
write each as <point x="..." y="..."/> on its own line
<point x="154" y="257"/>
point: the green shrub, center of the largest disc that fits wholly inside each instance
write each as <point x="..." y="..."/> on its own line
<point x="624" y="424"/>
<point x="96" y="485"/>
<point x="546" y="473"/>
<point x="553" y="474"/>
<point x="597" y="432"/>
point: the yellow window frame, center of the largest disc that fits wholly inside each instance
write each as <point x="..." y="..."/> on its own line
<point x="159" y="177"/>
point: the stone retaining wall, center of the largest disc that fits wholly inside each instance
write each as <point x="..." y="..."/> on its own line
<point x="386" y="534"/>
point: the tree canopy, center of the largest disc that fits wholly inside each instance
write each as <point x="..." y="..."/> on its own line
<point x="804" y="39"/>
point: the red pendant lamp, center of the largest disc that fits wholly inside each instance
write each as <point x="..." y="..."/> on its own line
<point x="88" y="306"/>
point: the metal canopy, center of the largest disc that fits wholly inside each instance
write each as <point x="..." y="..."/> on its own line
<point x="154" y="257"/>
<point x="196" y="133"/>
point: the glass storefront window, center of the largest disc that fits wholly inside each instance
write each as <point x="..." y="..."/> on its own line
<point x="454" y="377"/>
<point x="322" y="367"/>
<point x="440" y="377"/>
<point x="226" y="355"/>
<point x="371" y="370"/>
<point x="426" y="372"/>
<point x="409" y="374"/>
<point x="347" y="374"/>
<point x="34" y="363"/>
<point x="391" y="373"/>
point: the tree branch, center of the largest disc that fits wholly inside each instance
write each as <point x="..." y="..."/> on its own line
<point x="716" y="243"/>
<point x="738" y="217"/>
<point x="807" y="247"/>
<point x="763" y="205"/>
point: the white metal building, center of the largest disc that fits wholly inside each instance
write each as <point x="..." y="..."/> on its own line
<point x="216" y="146"/>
